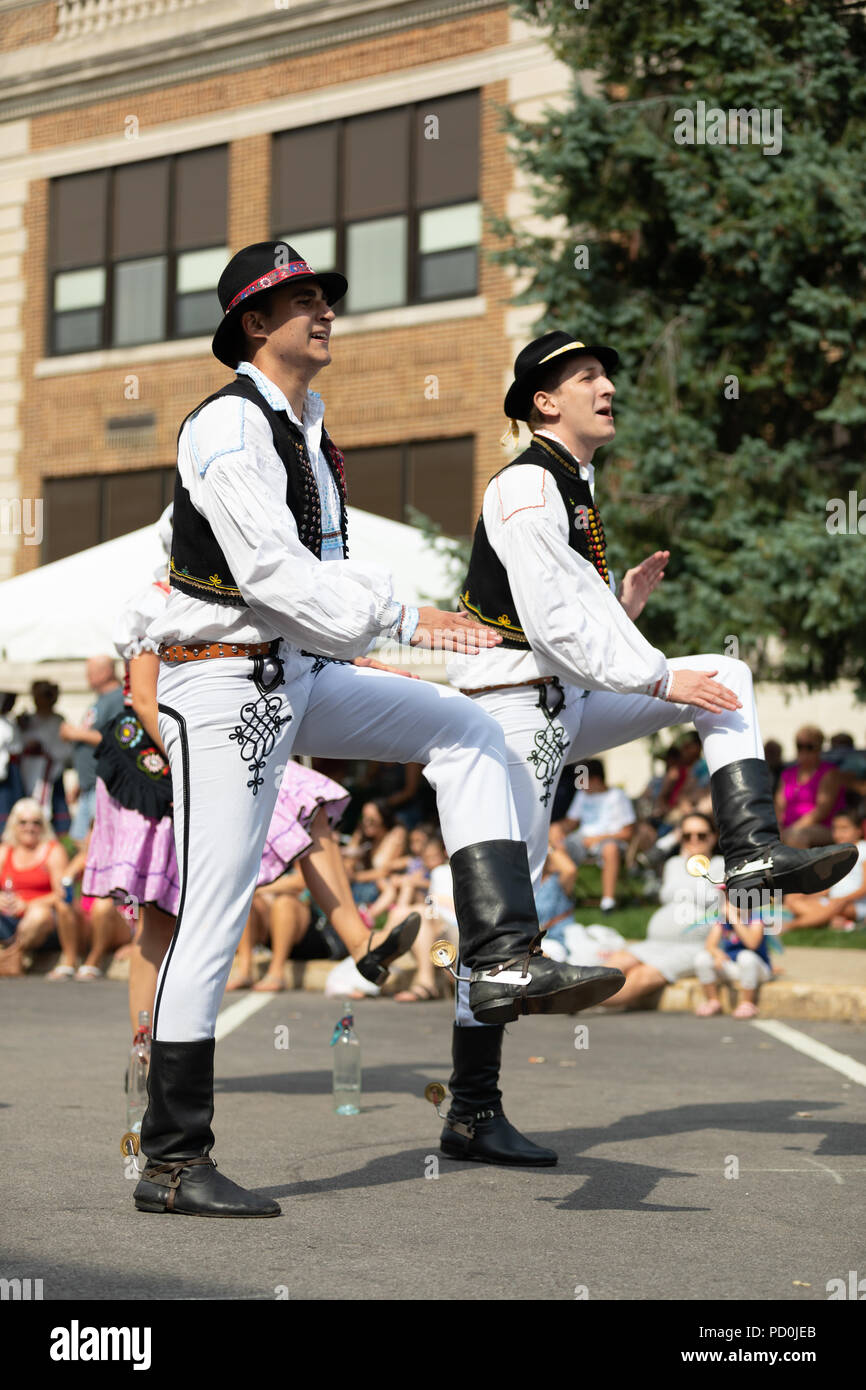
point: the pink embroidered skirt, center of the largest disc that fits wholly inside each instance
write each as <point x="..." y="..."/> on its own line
<point x="132" y="855"/>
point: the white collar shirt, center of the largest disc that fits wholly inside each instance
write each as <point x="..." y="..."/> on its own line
<point x="576" y="626"/>
<point x="237" y="481"/>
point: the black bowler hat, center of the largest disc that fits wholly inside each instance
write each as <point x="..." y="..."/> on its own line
<point x="249" y="274"/>
<point x="534" y="362"/>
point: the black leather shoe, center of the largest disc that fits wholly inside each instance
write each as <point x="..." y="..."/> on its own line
<point x="500" y="936"/>
<point x="476" y="1128"/>
<point x="755" y="857"/>
<point x="374" y="965"/>
<point x="180" y="1176"/>
<point x="488" y="1137"/>
<point x="532" y="984"/>
<point x="193" y="1187"/>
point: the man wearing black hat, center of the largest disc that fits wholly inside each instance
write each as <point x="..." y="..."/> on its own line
<point x="266" y="616"/>
<point x="573" y="676"/>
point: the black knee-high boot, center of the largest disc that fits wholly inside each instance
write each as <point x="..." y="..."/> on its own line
<point x="755" y="857"/>
<point x="177" y="1138"/>
<point x="500" y="936"/>
<point x="476" y="1127"/>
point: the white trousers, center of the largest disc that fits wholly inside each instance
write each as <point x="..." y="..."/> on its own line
<point x="228" y="736"/>
<point x="539" y="743"/>
<point x="748" y="971"/>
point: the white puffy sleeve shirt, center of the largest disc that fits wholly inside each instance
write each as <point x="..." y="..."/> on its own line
<point x="130" y="629"/>
<point x="237" y="481"/>
<point x="577" y="628"/>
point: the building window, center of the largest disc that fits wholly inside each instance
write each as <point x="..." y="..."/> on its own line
<point x="433" y="476"/>
<point x="136" y="251"/>
<point x="88" y="509"/>
<point x="390" y="197"/>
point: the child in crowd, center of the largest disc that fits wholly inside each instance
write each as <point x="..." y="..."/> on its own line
<point x="736" y="952"/>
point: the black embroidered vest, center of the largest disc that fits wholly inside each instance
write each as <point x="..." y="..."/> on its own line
<point x="486" y="593"/>
<point x="198" y="566"/>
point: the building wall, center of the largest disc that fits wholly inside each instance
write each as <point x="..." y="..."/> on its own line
<point x="22" y="25"/>
<point x="377" y="389"/>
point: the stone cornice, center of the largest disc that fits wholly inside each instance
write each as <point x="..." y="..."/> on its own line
<point x="39" y="78"/>
<point x="435" y="79"/>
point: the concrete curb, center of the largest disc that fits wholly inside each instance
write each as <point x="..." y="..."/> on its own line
<point x="791" y="999"/>
<point x="818" y="1001"/>
<point x="778" y="999"/>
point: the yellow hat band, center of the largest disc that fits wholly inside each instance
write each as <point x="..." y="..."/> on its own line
<point x="569" y="347"/>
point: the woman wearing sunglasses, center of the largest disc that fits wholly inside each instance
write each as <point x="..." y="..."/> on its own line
<point x="810" y="793"/>
<point x="32" y="865"/>
<point x="677" y="930"/>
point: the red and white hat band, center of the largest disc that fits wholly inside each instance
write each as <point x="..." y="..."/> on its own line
<point x="273" y="277"/>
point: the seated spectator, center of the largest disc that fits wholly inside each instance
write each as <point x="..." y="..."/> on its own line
<point x="11" y="789"/>
<point x="408" y="885"/>
<point x="374" y="851"/>
<point x="86" y="737"/>
<point x="844" y="905"/>
<point x="32" y="907"/>
<point x="438" y="922"/>
<point x="284" y="914"/>
<point x="809" y="794"/>
<point x="677" y="930"/>
<point x="851" y="763"/>
<point x="44" y="755"/>
<point x="655" y="811"/>
<point x="554" y="896"/>
<point x="697" y="773"/>
<point x="737" y="953"/>
<point x="599" y="825"/>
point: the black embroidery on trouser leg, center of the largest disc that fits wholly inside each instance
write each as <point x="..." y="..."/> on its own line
<point x="551" y="741"/>
<point x="320" y="662"/>
<point x="261" y="721"/>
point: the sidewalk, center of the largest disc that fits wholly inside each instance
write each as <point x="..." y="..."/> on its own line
<point x="816" y="984"/>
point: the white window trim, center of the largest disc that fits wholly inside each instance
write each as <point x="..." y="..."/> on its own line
<point x="377" y="320"/>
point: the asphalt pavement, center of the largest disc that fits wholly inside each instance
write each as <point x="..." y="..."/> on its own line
<point x="699" y="1159"/>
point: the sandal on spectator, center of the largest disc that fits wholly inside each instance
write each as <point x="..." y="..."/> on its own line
<point x="88" y="972"/>
<point x="374" y="965"/>
<point x="707" y="1008"/>
<point x="745" y="1010"/>
<point x="61" y="972"/>
<point x="418" y="994"/>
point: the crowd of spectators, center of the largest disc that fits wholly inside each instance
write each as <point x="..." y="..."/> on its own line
<point x="396" y="862"/>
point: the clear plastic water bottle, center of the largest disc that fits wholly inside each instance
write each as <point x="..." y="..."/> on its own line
<point x="136" y="1074"/>
<point x="347" y="1066"/>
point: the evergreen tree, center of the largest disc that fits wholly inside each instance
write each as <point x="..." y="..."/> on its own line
<point x="731" y="281"/>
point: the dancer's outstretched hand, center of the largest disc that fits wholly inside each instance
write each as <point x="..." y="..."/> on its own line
<point x="698" y="688"/>
<point x="452" y="632"/>
<point x="638" y="583"/>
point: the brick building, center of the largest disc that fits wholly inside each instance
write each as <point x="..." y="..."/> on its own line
<point x="143" y="143"/>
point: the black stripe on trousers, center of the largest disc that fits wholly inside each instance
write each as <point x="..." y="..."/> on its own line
<point x="184" y="756"/>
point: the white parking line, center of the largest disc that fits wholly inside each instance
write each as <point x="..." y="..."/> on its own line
<point x="818" y="1051"/>
<point x="236" y="1014"/>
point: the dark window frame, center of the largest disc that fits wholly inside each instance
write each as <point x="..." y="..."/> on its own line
<point x="404" y="448"/>
<point x="102" y="480"/>
<point x="412" y="212"/>
<point x="170" y="255"/>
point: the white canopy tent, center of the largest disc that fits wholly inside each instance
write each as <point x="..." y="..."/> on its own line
<point x="67" y="610"/>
